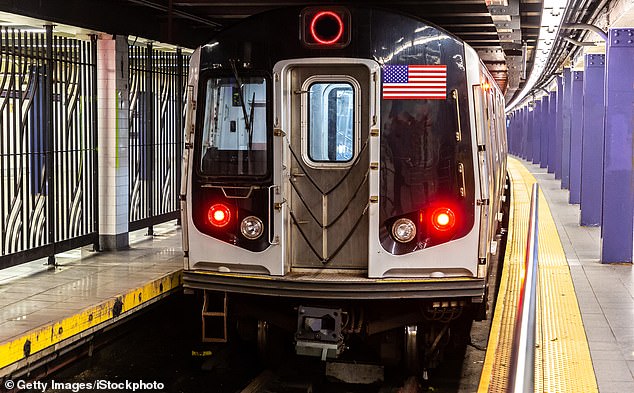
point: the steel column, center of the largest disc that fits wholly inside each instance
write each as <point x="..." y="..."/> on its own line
<point x="545" y="130"/>
<point x="564" y="156"/>
<point x="521" y="138"/>
<point x="149" y="136"/>
<point x="92" y="94"/>
<point x="537" y="120"/>
<point x="509" y="131"/>
<point x="517" y="131"/>
<point x="552" y="127"/>
<point x="593" y="139"/>
<point x="180" y="121"/>
<point x="517" y="134"/>
<point x="50" y="146"/>
<point x="618" y="178"/>
<point x="520" y="135"/>
<point x="576" y="126"/>
<point x="530" y="134"/>
<point x="525" y="133"/>
<point x="555" y="148"/>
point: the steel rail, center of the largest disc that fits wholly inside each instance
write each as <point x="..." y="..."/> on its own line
<point x="522" y="371"/>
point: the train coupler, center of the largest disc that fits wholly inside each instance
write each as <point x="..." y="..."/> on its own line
<point x="319" y="332"/>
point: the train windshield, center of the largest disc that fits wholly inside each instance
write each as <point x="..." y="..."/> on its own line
<point x="234" y="140"/>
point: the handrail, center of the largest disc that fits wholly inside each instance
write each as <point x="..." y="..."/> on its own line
<point x="522" y="370"/>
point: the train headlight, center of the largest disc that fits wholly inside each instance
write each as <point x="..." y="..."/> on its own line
<point x="404" y="230"/>
<point x="219" y="215"/>
<point x="251" y="227"/>
<point x="443" y="219"/>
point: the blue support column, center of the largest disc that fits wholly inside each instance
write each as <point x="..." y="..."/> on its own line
<point x="563" y="159"/>
<point x="518" y="134"/>
<point x="512" y="143"/>
<point x="509" y="131"/>
<point x="576" y="126"/>
<point x="592" y="153"/>
<point x="523" y="147"/>
<point x="544" y="131"/>
<point x="554" y="150"/>
<point x="513" y="132"/>
<point x="519" y="142"/>
<point x="537" y="119"/>
<point x="618" y="178"/>
<point x="530" y="134"/>
<point x="552" y="122"/>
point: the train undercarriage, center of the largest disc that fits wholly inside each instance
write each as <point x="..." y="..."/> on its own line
<point x="409" y="334"/>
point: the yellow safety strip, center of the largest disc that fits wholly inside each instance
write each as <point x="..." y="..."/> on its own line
<point x="562" y="355"/>
<point x="57" y="331"/>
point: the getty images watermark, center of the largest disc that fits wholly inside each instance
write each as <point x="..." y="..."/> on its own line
<point x="98" y="384"/>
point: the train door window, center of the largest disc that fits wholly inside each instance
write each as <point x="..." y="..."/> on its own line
<point x="331" y="115"/>
<point x="234" y="135"/>
<point x="479" y="103"/>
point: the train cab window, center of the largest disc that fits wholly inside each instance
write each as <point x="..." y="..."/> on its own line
<point x="234" y="137"/>
<point x="331" y="123"/>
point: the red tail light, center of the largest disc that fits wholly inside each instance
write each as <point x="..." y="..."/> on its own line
<point x="443" y="219"/>
<point x="219" y="215"/>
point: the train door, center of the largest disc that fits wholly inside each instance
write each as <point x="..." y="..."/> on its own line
<point x="481" y="110"/>
<point x="329" y="166"/>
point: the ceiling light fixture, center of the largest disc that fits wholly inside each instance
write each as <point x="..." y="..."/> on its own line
<point x="552" y="15"/>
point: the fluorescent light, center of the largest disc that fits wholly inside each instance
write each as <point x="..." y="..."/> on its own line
<point x="552" y="14"/>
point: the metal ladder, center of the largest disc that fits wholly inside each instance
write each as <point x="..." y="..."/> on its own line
<point x="206" y="313"/>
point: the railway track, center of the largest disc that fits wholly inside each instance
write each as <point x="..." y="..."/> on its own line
<point x="161" y="345"/>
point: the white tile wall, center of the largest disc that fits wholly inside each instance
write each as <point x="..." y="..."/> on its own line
<point x="112" y="109"/>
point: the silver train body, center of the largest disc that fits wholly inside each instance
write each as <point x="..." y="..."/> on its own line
<point x="346" y="165"/>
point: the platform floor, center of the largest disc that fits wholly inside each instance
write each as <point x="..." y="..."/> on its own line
<point x="605" y="292"/>
<point x="46" y="305"/>
<point x="585" y="316"/>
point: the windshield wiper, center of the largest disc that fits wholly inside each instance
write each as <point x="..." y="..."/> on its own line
<point x="248" y="119"/>
<point x="250" y="123"/>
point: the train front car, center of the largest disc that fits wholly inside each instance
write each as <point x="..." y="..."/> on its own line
<point x="330" y="182"/>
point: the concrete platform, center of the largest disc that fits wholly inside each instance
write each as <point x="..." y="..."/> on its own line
<point x="44" y="309"/>
<point x="605" y="292"/>
<point x="585" y="315"/>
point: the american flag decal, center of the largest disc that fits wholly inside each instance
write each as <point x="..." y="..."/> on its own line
<point x="414" y="82"/>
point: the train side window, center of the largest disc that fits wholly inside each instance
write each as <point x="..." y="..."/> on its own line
<point x="331" y="122"/>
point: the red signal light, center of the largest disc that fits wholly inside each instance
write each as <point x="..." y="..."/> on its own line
<point x="326" y="27"/>
<point x="443" y="219"/>
<point x="219" y="215"/>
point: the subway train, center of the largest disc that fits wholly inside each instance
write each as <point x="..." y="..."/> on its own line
<point x="344" y="181"/>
